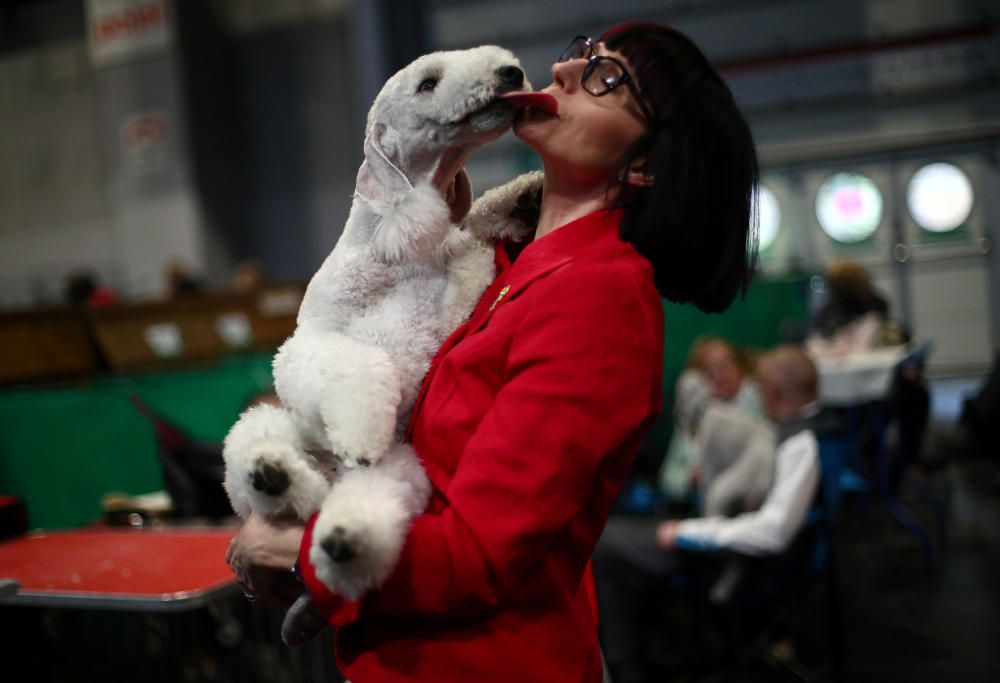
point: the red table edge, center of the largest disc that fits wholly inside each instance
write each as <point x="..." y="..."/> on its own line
<point x="164" y="602"/>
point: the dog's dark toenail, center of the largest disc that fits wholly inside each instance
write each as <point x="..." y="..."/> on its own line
<point x="337" y="546"/>
<point x="270" y="479"/>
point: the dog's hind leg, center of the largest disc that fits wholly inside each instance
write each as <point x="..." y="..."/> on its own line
<point x="349" y="390"/>
<point x="360" y="409"/>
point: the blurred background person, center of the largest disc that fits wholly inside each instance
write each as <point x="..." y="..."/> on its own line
<point x="181" y="281"/>
<point x="856" y="319"/>
<point x="248" y="277"/>
<point x="636" y="557"/>
<point x="83" y="288"/>
<point x="716" y="367"/>
<point x="853" y="316"/>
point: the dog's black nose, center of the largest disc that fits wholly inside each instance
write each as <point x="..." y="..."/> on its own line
<point x="511" y="76"/>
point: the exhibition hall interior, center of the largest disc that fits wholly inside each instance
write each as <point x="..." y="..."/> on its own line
<point x="173" y="173"/>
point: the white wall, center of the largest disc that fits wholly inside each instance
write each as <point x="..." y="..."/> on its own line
<point x="54" y="214"/>
<point x="72" y="196"/>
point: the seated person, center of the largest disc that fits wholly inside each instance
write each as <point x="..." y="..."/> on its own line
<point x="181" y="282"/>
<point x="83" y="289"/>
<point x="788" y="385"/>
<point x="248" y="277"/>
<point x="734" y="461"/>
<point x="854" y="317"/>
<point x="635" y="557"/>
<point x="728" y="381"/>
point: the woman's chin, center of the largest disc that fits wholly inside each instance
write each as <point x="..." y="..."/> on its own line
<point x="529" y="130"/>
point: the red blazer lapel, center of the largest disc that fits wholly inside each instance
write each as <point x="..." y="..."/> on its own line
<point x="545" y="256"/>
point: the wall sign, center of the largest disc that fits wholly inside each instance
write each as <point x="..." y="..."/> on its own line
<point x="121" y="30"/>
<point x="144" y="139"/>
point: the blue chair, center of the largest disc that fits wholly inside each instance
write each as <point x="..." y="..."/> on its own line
<point x="811" y="563"/>
<point x="888" y="469"/>
<point x="763" y="594"/>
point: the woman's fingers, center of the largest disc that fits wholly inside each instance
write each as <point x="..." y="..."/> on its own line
<point x="261" y="556"/>
<point x="271" y="587"/>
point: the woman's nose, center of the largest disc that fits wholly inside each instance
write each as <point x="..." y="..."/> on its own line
<point x="566" y="74"/>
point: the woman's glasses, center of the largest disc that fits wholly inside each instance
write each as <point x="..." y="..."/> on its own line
<point x="602" y="73"/>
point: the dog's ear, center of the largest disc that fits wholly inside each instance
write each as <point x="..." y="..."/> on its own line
<point x="379" y="179"/>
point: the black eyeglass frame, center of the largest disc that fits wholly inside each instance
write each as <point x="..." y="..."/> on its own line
<point x="586" y="51"/>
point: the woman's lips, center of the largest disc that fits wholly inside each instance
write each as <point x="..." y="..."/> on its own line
<point x="535" y="100"/>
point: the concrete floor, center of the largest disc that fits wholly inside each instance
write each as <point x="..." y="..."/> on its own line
<point x="906" y="625"/>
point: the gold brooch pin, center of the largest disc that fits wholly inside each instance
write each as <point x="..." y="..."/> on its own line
<point x="503" y="292"/>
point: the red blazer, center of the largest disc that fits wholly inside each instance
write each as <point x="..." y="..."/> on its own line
<point x="527" y="424"/>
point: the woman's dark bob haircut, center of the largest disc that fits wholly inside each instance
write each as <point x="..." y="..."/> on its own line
<point x="697" y="222"/>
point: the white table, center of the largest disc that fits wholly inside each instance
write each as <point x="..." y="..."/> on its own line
<point x="859" y="377"/>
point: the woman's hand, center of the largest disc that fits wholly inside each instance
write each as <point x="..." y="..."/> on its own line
<point x="262" y="555"/>
<point x="666" y="534"/>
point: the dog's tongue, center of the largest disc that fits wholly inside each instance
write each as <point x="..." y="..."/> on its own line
<point x="537" y="100"/>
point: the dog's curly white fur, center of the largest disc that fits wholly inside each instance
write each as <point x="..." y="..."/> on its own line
<point x="401" y="277"/>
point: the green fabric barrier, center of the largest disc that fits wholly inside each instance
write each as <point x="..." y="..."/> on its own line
<point x="63" y="448"/>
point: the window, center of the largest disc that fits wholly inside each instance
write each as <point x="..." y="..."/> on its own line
<point x="939" y="197"/>
<point x="770" y="217"/>
<point x="849" y="207"/>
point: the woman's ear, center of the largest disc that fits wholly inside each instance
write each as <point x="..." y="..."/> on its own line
<point x="637" y="176"/>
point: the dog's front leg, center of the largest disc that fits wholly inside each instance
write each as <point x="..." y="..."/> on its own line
<point x="364" y="520"/>
<point x="267" y="468"/>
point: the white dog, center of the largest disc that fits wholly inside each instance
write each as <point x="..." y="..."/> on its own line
<point x="401" y="277"/>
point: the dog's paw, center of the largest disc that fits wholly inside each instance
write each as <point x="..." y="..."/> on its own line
<point x="262" y="434"/>
<point x="271" y="468"/>
<point x="359" y="533"/>
<point x="269" y="477"/>
<point x="281" y="480"/>
<point x="343" y="545"/>
<point x="508" y="211"/>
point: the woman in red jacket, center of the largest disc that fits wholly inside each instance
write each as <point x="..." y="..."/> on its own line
<point x="531" y="413"/>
